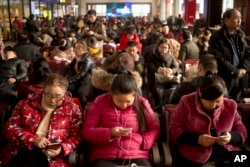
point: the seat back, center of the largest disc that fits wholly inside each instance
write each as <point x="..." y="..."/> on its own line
<point x="58" y="66"/>
<point x="244" y="110"/>
<point x="5" y="113"/>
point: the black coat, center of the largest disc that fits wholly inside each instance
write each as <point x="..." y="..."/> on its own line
<point x="221" y="48"/>
<point x="85" y="67"/>
<point x="13" y="68"/>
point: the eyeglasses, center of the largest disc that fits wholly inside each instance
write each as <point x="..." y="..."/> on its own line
<point x="50" y="96"/>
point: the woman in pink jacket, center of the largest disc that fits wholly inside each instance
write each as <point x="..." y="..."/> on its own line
<point x="120" y="126"/>
<point x="205" y="126"/>
<point x="44" y="129"/>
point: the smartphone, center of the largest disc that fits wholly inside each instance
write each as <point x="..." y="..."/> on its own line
<point x="223" y="137"/>
<point x="126" y="129"/>
<point x="53" y="145"/>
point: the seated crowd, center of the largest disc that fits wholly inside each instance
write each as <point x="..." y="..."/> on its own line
<point x="126" y="74"/>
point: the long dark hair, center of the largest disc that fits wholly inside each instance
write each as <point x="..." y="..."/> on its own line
<point x="125" y="84"/>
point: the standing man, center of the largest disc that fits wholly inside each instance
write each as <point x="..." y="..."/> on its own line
<point x="96" y="28"/>
<point x="200" y="25"/>
<point x="232" y="53"/>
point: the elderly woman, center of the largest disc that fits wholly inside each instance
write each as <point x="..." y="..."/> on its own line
<point x="44" y="129"/>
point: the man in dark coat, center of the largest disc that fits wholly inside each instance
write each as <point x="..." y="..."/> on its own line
<point x="232" y="53"/>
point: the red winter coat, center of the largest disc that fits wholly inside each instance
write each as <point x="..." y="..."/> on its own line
<point x="64" y="128"/>
<point x="189" y="116"/>
<point x="103" y="116"/>
<point x="124" y="41"/>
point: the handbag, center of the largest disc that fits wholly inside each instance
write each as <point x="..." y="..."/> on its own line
<point x="163" y="78"/>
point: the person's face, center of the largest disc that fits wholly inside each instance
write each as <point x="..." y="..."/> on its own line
<point x="130" y="37"/>
<point x="123" y="101"/>
<point x="212" y="104"/>
<point x="53" y="95"/>
<point x="163" y="48"/>
<point x="165" y="29"/>
<point x="71" y="54"/>
<point x="132" y="50"/>
<point x="79" y="49"/>
<point x="234" y="22"/>
<point x="114" y="27"/>
<point x="207" y="37"/>
<point x="91" y="18"/>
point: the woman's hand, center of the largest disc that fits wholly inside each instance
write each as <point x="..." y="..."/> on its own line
<point x="120" y="131"/>
<point x="11" y="80"/>
<point x="168" y="71"/>
<point x="41" y="142"/>
<point x="52" y="152"/>
<point x="206" y="140"/>
<point x="224" y="138"/>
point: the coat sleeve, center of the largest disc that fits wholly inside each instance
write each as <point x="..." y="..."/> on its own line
<point x="153" y="129"/>
<point x="21" y="70"/>
<point x="74" y="137"/>
<point x="215" y="47"/>
<point x="101" y="33"/>
<point x="178" y="121"/>
<point x="13" y="128"/>
<point x="84" y="69"/>
<point x="91" y="130"/>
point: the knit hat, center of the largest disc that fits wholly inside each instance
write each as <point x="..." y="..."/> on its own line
<point x="64" y="45"/>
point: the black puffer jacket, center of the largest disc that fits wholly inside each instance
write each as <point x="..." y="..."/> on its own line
<point x="13" y="68"/>
<point x="85" y="67"/>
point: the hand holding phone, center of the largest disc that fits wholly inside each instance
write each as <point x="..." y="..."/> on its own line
<point x="127" y="129"/>
<point x="53" y="145"/>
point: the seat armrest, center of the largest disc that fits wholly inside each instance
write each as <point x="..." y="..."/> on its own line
<point x="155" y="155"/>
<point x="76" y="158"/>
<point x="166" y="155"/>
<point x="73" y="158"/>
<point x="246" y="147"/>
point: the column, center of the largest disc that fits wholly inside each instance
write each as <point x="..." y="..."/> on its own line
<point x="163" y="9"/>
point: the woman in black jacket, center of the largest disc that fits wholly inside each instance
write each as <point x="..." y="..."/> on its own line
<point x="161" y="61"/>
<point x="79" y="72"/>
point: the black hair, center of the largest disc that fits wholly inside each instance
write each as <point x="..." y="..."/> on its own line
<point x="40" y="71"/>
<point x="207" y="32"/>
<point x="92" y="12"/>
<point x="187" y="35"/>
<point x="130" y="29"/>
<point x="209" y="63"/>
<point x="227" y="14"/>
<point x="125" y="84"/>
<point x="111" y="34"/>
<point x="131" y="44"/>
<point x="212" y="86"/>
<point x="8" y="48"/>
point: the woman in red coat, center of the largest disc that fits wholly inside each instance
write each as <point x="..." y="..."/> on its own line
<point x="44" y="129"/>
<point x="205" y="126"/>
<point x="129" y="35"/>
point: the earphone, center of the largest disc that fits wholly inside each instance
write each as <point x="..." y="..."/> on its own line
<point x="130" y="135"/>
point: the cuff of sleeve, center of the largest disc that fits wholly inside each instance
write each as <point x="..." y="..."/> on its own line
<point x="235" y="138"/>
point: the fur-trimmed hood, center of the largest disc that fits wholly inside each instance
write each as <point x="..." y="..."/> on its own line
<point x="101" y="79"/>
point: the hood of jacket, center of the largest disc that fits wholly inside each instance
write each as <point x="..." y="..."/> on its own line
<point x="101" y="79"/>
